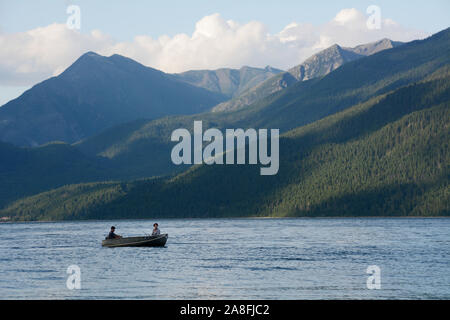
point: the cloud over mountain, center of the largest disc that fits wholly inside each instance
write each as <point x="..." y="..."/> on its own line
<point x="28" y="57"/>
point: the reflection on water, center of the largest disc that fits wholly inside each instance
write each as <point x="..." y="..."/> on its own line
<point x="229" y="259"/>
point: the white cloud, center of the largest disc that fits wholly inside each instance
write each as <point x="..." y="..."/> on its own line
<point x="348" y="17"/>
<point x="29" y="57"/>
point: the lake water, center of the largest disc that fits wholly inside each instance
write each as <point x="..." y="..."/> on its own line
<point x="230" y="259"/>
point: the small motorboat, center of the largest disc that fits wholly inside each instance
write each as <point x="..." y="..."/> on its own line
<point x="147" y="241"/>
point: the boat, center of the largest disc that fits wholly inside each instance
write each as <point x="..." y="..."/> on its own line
<point x="146" y="241"/>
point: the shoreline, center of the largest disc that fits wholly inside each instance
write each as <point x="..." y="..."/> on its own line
<point x="228" y="218"/>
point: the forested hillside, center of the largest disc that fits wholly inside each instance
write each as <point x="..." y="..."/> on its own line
<point x="385" y="157"/>
<point x="27" y="171"/>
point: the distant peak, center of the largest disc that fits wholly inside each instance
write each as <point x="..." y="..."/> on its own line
<point x="390" y="42"/>
<point x="84" y="63"/>
<point x="335" y="46"/>
<point x="91" y="54"/>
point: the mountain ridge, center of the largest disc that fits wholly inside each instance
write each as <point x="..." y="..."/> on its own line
<point x="298" y="105"/>
<point x="318" y="65"/>
<point x="142" y="148"/>
<point x="227" y="81"/>
<point x="95" y="93"/>
<point x="384" y="157"/>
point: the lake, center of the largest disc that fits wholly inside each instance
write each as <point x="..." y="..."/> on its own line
<point x="230" y="259"/>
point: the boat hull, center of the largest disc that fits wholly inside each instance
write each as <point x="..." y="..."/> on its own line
<point x="148" y="241"/>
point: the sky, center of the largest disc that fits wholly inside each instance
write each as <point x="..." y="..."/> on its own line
<point x="174" y="35"/>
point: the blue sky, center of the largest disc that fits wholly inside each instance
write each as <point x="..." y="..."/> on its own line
<point x="125" y="19"/>
<point x="25" y="62"/>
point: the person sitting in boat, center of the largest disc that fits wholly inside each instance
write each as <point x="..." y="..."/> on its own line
<point x="156" y="231"/>
<point x="112" y="235"/>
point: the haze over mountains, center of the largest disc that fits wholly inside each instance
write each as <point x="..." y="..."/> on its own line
<point x="367" y="138"/>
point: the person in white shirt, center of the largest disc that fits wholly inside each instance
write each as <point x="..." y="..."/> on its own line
<point x="156" y="231"/>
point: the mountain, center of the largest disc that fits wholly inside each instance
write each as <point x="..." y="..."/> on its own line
<point x="335" y="56"/>
<point x="229" y="82"/>
<point x="96" y="93"/>
<point x="388" y="156"/>
<point x="316" y="66"/>
<point x="145" y="145"/>
<point x="142" y="148"/>
<point x="374" y="47"/>
<point x="324" y="62"/>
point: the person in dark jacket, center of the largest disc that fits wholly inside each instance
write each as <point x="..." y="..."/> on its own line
<point x="112" y="235"/>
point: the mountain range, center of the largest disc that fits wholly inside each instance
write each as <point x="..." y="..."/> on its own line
<point x="385" y="157"/>
<point x="97" y="92"/>
<point x="229" y="82"/>
<point x="316" y="66"/>
<point x="93" y="94"/>
<point x="369" y="137"/>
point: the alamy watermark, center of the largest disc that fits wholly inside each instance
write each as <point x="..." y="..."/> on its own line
<point x="374" y="20"/>
<point x="74" y="19"/>
<point x="374" y="280"/>
<point x="214" y="152"/>
<point x="74" y="278"/>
